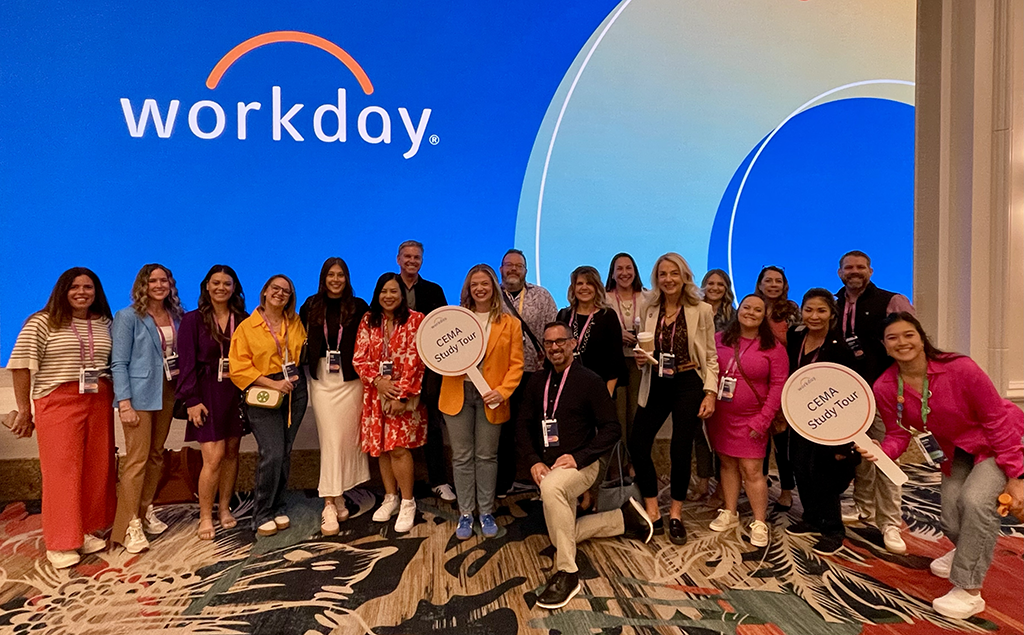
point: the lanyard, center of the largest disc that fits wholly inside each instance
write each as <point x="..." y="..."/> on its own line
<point x="925" y="394"/>
<point x="284" y="325"/>
<point x="800" y="357"/>
<point x="558" y="395"/>
<point x="81" y="344"/>
<point x="661" y="336"/>
<point x="231" y="333"/>
<point x="341" y="329"/>
<point x="586" y="325"/>
<point x="163" y="340"/>
<point x="632" y="310"/>
<point x="736" y="357"/>
<point x="849" y="317"/>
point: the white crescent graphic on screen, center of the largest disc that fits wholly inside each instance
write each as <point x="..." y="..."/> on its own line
<point x="558" y="123"/>
<point x="746" y="173"/>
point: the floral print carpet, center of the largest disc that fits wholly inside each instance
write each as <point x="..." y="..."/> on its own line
<point x="370" y="580"/>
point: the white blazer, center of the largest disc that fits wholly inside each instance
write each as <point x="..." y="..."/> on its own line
<point x="700" y="338"/>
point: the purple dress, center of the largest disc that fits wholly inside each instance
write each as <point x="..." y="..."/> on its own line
<point x="730" y="426"/>
<point x="198" y="356"/>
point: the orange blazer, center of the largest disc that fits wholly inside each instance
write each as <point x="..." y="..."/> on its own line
<point x="502" y="368"/>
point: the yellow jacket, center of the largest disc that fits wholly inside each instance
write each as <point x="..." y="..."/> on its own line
<point x="502" y="368"/>
<point x="254" y="353"/>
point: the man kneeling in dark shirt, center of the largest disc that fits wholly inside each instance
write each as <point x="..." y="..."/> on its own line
<point x="566" y="422"/>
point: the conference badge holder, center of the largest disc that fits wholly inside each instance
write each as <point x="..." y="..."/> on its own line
<point x="171" y="369"/>
<point x="727" y="388"/>
<point x="930" y="448"/>
<point x="223" y="369"/>
<point x="88" y="381"/>
<point x="550" y="427"/>
<point x="667" y="365"/>
<point x="334" y="362"/>
<point x="290" y="371"/>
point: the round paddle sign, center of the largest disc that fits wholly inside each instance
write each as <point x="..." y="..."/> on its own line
<point x="451" y="342"/>
<point x="830" y="404"/>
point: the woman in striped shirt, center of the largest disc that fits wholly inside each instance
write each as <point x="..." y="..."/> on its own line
<point x="60" y="362"/>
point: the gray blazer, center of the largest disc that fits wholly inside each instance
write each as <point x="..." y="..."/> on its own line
<point x="137" y="360"/>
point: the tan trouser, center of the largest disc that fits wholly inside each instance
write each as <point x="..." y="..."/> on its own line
<point x="559" y="491"/>
<point x="143" y="463"/>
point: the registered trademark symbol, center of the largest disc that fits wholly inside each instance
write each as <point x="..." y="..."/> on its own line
<point x="434" y="139"/>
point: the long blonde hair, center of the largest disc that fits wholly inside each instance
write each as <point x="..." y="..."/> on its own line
<point x="691" y="294"/>
<point x="140" y="292"/>
<point x="592" y="277"/>
<point x="497" y="307"/>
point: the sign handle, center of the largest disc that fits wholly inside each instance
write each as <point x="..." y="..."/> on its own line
<point x="883" y="462"/>
<point x="480" y="383"/>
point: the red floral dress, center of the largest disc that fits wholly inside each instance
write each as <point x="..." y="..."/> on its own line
<point x="379" y="432"/>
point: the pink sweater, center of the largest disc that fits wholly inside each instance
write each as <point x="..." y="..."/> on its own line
<point x="966" y="412"/>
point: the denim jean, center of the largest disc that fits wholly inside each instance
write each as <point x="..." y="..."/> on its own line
<point x="474" y="442"/>
<point x="274" y="437"/>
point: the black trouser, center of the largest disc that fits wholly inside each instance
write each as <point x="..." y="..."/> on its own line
<point x="783" y="458"/>
<point x="437" y="467"/>
<point x="508" y="453"/>
<point x="822" y="478"/>
<point x="679" y="396"/>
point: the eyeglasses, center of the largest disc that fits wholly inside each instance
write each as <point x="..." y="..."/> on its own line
<point x="559" y="342"/>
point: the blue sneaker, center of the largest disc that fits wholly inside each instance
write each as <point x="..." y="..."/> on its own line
<point x="464" y="531"/>
<point x="488" y="526"/>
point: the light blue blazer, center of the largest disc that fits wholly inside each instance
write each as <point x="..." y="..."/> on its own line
<point x="137" y="361"/>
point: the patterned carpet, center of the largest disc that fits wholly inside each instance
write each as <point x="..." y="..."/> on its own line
<point x="370" y="580"/>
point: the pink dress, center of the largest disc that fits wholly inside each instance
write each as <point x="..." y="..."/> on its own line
<point x="730" y="426"/>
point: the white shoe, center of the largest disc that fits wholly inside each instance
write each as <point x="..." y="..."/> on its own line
<point x="63" y="559"/>
<point x="941" y="566"/>
<point x="268" y="528"/>
<point x="282" y="522"/>
<point x="387" y="509"/>
<point x="959" y="604"/>
<point x="151" y="524"/>
<point x="893" y="540"/>
<point x="134" y="540"/>
<point x="726" y="520"/>
<point x="444" y="492"/>
<point x="406" y="516"/>
<point x="758" y="533"/>
<point x="329" y="521"/>
<point x="92" y="544"/>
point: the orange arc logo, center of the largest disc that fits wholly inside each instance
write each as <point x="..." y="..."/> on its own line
<point x="289" y="36"/>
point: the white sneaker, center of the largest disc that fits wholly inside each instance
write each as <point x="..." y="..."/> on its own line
<point x="268" y="528"/>
<point x="151" y="524"/>
<point x="387" y="509"/>
<point x="959" y="604"/>
<point x="282" y="522"/>
<point x="92" y="544"/>
<point x="63" y="559"/>
<point x="893" y="540"/>
<point x="941" y="566"/>
<point x="758" y="533"/>
<point x="134" y="540"/>
<point x="444" y="492"/>
<point x="329" y="521"/>
<point x="406" y="516"/>
<point x="726" y="520"/>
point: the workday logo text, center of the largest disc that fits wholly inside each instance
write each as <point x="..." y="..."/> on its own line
<point x="329" y="120"/>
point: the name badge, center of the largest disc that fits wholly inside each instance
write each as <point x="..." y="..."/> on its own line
<point x="387" y="368"/>
<point x="333" y="362"/>
<point x="223" y="369"/>
<point x="291" y="371"/>
<point x="171" y="366"/>
<point x="854" y="345"/>
<point x="88" y="381"/>
<point x="727" y="388"/>
<point x="667" y="365"/>
<point x="930" y="448"/>
<point x="550" y="433"/>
